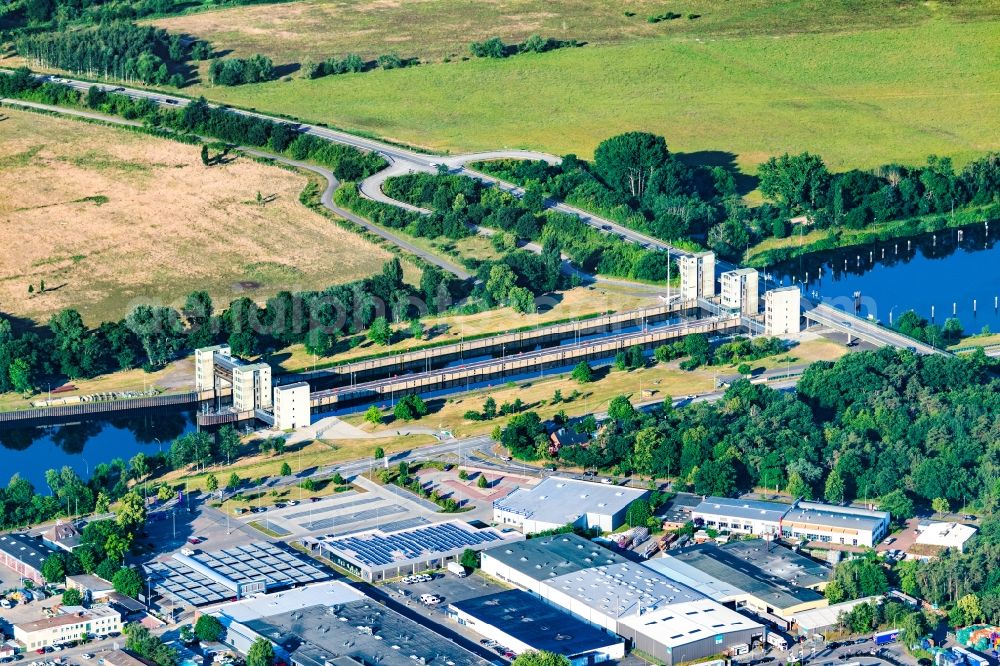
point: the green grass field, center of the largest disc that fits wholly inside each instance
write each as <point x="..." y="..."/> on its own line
<point x="858" y="99"/>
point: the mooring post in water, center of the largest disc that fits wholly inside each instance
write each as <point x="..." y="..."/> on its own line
<point x="932" y="314"/>
<point x="857" y="302"/>
<point x="954" y="308"/>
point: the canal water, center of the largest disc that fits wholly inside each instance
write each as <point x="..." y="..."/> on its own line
<point x="31" y="450"/>
<point x="953" y="271"/>
<point x="936" y="271"/>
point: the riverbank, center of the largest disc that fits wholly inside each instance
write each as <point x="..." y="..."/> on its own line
<point x="801" y="243"/>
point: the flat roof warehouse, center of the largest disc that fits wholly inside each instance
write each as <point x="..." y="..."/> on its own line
<point x="208" y="578"/>
<point x="562" y="500"/>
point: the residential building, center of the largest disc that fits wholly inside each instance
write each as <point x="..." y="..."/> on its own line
<point x="70" y="625"/>
<point x="523" y="623"/>
<point x="291" y="406"/>
<point x="782" y="311"/>
<point x="24" y="554"/>
<point x="526" y="564"/>
<point x="559" y="501"/>
<point x="944" y="535"/>
<point x="62" y="536"/>
<point x="697" y="275"/>
<point x="830" y="523"/>
<point x="740" y="290"/>
<point x="741" y="516"/>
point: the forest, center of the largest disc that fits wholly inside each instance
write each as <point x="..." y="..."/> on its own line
<point x="887" y="426"/>
<point x="635" y="180"/>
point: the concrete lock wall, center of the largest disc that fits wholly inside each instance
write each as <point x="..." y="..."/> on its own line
<point x="510" y="343"/>
<point x="558" y="357"/>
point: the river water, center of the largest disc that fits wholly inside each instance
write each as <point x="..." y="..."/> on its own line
<point x="920" y="273"/>
<point x="954" y="271"/>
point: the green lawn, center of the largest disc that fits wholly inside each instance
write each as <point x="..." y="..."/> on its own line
<point x="858" y="99"/>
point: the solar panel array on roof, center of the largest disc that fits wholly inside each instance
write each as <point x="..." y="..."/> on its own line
<point x="277" y="567"/>
<point x="379" y="548"/>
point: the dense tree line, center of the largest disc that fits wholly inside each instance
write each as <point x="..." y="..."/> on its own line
<point x="120" y="50"/>
<point x="42" y="14"/>
<point x="460" y="202"/>
<point x="200" y="119"/>
<point x="635" y="180"/>
<point x="151" y="336"/>
<point x="888" y="425"/>
<point x="238" y="71"/>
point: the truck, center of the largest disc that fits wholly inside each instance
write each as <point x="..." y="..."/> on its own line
<point x="777" y="640"/>
<point x="457" y="569"/>
<point x="886" y="637"/>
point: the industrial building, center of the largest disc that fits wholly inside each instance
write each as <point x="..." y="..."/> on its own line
<point x="374" y="555"/>
<point x="803" y="521"/>
<point x="663" y="618"/>
<point x="69" y="625"/>
<point x="697" y="275"/>
<point x="523" y="623"/>
<point x="782" y="311"/>
<point x="830" y="523"/>
<point x="24" y="555"/>
<point x="740" y="290"/>
<point x="215" y="368"/>
<point x="770" y="580"/>
<point x="291" y="406"/>
<point x="822" y="620"/>
<point x="332" y="623"/>
<point x="941" y="536"/>
<point x="121" y="658"/>
<point x="739" y="515"/>
<point x="90" y="586"/>
<point x="208" y="578"/>
<point x="557" y="502"/>
<point x="527" y="564"/>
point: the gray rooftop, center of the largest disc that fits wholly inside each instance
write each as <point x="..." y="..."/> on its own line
<point x="561" y="501"/>
<point x="753" y="576"/>
<point x="780" y="562"/>
<point x="363" y="630"/>
<point x="547" y="557"/>
<point x="207" y="578"/>
<point x="743" y="508"/>
<point x="535" y="623"/>
<point x="620" y="590"/>
<point x="831" y="515"/>
<point x="26" y="549"/>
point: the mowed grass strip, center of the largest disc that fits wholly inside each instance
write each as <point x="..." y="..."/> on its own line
<point x="109" y="218"/>
<point x="859" y="100"/>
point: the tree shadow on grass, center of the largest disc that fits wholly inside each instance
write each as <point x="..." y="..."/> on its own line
<point x="745" y="183"/>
